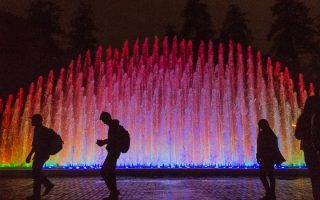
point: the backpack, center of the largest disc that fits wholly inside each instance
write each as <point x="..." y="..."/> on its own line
<point x="124" y="139"/>
<point x="55" y="142"/>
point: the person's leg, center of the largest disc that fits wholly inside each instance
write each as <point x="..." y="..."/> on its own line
<point x="314" y="172"/>
<point x="111" y="176"/>
<point x="36" y="175"/>
<point x="317" y="183"/>
<point x="113" y="182"/>
<point x="108" y="173"/>
<point x="47" y="183"/>
<point x="272" y="180"/>
<point x="313" y="163"/>
<point x="314" y="185"/>
<point x="44" y="180"/>
<point x="105" y="171"/>
<point x="263" y="178"/>
<point x="316" y="176"/>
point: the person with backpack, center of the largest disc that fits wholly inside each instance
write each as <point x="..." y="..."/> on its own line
<point x="268" y="154"/>
<point x="308" y="131"/>
<point x="41" y="151"/>
<point x="118" y="141"/>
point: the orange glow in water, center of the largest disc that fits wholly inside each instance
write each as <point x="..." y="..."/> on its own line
<point x="179" y="112"/>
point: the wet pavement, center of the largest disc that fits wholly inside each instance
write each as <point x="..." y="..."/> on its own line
<point x="131" y="188"/>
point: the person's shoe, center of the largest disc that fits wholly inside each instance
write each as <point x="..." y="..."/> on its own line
<point x="33" y="197"/>
<point x="48" y="189"/>
<point x="272" y="197"/>
<point x="266" y="197"/>
<point x="269" y="197"/>
<point x="113" y="196"/>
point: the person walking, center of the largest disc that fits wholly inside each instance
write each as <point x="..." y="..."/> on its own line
<point x="268" y="154"/>
<point x="308" y="131"/>
<point x="41" y="155"/>
<point x="108" y="169"/>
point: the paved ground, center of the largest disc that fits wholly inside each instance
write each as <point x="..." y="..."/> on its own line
<point x="90" y="188"/>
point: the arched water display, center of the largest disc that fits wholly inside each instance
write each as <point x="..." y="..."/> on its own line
<point x="180" y="113"/>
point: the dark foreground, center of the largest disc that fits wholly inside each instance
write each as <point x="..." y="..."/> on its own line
<point x="248" y="188"/>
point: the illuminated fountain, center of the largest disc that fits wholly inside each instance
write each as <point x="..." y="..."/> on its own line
<point x="178" y="112"/>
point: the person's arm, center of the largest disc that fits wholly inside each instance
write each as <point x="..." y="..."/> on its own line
<point x="34" y="141"/>
<point x="29" y="156"/>
<point x="102" y="142"/>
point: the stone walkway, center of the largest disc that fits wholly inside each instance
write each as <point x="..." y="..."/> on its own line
<point x="90" y="188"/>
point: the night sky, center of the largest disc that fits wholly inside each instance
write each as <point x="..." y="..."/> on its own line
<point x="118" y="20"/>
<point x="126" y="19"/>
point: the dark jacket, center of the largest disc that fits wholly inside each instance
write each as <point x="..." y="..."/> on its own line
<point x="113" y="137"/>
<point x="267" y="148"/>
<point x="41" y="140"/>
<point x="309" y="142"/>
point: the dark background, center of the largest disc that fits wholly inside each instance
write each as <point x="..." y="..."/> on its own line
<point x="26" y="53"/>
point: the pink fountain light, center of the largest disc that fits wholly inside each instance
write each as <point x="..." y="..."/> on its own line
<point x="180" y="113"/>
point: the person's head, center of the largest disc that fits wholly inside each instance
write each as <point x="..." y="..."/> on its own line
<point x="106" y="118"/>
<point x="36" y="120"/>
<point x="264" y="124"/>
<point x="312" y="105"/>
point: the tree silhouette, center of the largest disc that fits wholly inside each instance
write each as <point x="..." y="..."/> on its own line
<point x="81" y="36"/>
<point x="29" y="46"/>
<point x="292" y="34"/>
<point x="170" y="32"/>
<point x="314" y="67"/>
<point x="15" y="46"/>
<point x="197" y="24"/>
<point x="43" y="18"/>
<point x="313" y="70"/>
<point x="235" y="27"/>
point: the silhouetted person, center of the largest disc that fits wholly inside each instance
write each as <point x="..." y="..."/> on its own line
<point x="308" y="131"/>
<point x="108" y="170"/>
<point x="41" y="155"/>
<point x="268" y="155"/>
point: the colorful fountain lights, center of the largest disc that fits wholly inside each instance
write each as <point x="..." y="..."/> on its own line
<point x="178" y="112"/>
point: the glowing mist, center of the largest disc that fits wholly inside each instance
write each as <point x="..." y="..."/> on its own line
<point x="178" y="112"/>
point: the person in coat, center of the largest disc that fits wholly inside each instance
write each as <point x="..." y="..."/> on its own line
<point x="308" y="131"/>
<point x="268" y="154"/>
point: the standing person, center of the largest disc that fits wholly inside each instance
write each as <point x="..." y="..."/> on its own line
<point x="308" y="131"/>
<point x="41" y="155"/>
<point x="108" y="170"/>
<point x="268" y="154"/>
